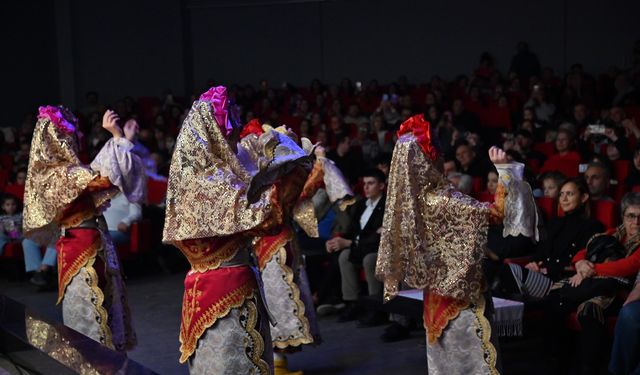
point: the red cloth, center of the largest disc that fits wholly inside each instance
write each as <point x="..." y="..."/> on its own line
<point x="76" y="249"/>
<point x="626" y="267"/>
<point x="209" y="296"/>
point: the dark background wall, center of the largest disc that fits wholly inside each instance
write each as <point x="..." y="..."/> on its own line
<point x="59" y="50"/>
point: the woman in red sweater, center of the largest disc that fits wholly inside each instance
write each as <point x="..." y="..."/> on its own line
<point x="606" y="267"/>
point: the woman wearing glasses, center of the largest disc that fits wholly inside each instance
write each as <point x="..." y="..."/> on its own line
<point x="604" y="268"/>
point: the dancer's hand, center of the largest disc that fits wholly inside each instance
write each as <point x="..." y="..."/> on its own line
<point x="497" y="155"/>
<point x="110" y="123"/>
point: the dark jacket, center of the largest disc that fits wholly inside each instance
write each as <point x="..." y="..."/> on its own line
<point x="565" y="236"/>
<point x="365" y="240"/>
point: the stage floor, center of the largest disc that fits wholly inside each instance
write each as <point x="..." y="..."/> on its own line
<point x="155" y="303"/>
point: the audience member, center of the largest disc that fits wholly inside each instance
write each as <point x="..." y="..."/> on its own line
<point x="359" y="245"/>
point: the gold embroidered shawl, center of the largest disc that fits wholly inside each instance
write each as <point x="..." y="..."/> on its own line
<point x="433" y="237"/>
<point x="206" y="194"/>
<point x="54" y="179"/>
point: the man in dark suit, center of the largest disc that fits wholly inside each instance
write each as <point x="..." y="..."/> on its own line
<point x="359" y="245"/>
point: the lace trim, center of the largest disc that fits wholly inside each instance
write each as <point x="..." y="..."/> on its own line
<point x="218" y="310"/>
<point x="256" y="337"/>
<point x="436" y="321"/>
<point x="490" y="354"/>
<point x="306" y="338"/>
<point x="201" y="259"/>
<point x="92" y="281"/>
<point x="266" y="251"/>
<point x="65" y="274"/>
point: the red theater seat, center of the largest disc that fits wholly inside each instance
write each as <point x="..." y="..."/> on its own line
<point x="140" y="233"/>
<point x="485" y="196"/>
<point x="548" y="206"/>
<point x="156" y="191"/>
<point x="15" y="190"/>
<point x="606" y="212"/>
<point x="621" y="169"/>
<point x="548" y="148"/>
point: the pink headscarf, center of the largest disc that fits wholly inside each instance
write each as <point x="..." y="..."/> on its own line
<point x="217" y="96"/>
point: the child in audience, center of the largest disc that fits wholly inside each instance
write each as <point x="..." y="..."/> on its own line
<point x="11" y="230"/>
<point x="551" y="182"/>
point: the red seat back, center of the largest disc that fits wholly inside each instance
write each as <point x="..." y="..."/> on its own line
<point x="156" y="191"/>
<point x="621" y="169"/>
<point x="547" y="148"/>
<point x="606" y="212"/>
<point x="15" y="190"/>
<point x="476" y="187"/>
<point x="485" y="196"/>
<point x="548" y="206"/>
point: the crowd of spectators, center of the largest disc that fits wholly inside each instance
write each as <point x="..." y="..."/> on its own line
<point x="579" y="131"/>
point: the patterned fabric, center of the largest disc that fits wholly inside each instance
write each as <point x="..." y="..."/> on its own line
<point x="77" y="249"/>
<point x="208" y="297"/>
<point x="433" y="237"/>
<point x="285" y="295"/>
<point x="100" y="312"/>
<point x="207" y="187"/>
<point x="465" y="346"/>
<point x="438" y="311"/>
<point x="236" y="345"/>
<point x="55" y="178"/>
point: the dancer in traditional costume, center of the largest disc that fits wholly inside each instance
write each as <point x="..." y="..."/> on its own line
<point x="434" y="237"/>
<point x="283" y="273"/>
<point x="215" y="209"/>
<point x="65" y="198"/>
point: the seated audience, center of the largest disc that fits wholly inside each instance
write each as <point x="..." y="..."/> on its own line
<point x="40" y="268"/>
<point x="597" y="176"/>
<point x="551" y="182"/>
<point x="604" y="268"/>
<point x="358" y="247"/>
<point x="564" y="236"/>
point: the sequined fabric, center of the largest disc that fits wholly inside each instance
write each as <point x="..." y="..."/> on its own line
<point x="206" y="194"/>
<point x="54" y="179"/>
<point x="433" y="237"/>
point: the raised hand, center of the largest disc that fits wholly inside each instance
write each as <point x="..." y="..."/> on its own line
<point x="497" y="155"/>
<point x="110" y="123"/>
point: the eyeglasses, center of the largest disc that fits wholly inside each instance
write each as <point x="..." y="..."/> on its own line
<point x="632" y="216"/>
